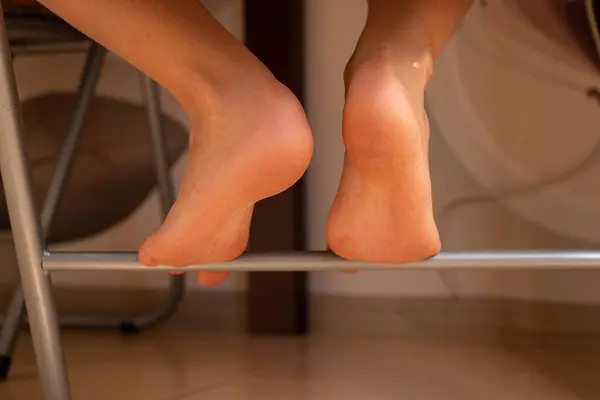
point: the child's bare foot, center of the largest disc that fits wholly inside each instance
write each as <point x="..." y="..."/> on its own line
<point x="383" y="209"/>
<point x="249" y="140"/>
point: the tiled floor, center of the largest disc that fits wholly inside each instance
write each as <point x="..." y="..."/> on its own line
<point x="197" y="366"/>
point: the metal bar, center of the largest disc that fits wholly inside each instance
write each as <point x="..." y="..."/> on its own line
<point x="11" y="325"/>
<point x="324" y="261"/>
<point x="162" y="313"/>
<point x="165" y="187"/>
<point x="90" y="76"/>
<point x="88" y="82"/>
<point x="85" y="93"/>
<point x="28" y="235"/>
<point x="176" y="289"/>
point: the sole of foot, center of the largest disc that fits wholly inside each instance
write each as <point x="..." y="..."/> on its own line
<point x="383" y="209"/>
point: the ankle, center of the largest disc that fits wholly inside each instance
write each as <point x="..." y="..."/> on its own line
<point x="205" y="91"/>
<point x="416" y="67"/>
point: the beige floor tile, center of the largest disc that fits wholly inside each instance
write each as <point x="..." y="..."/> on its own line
<point x="196" y="366"/>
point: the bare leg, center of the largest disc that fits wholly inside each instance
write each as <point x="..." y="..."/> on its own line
<point x="249" y="138"/>
<point x="383" y="210"/>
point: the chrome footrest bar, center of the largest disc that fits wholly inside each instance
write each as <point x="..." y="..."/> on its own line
<point x="323" y="261"/>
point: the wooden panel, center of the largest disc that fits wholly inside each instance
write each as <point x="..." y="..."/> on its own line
<point x="277" y="301"/>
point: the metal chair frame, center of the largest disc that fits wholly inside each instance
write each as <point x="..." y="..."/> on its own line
<point x="15" y="314"/>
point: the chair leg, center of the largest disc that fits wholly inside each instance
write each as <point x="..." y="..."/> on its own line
<point x="14" y="318"/>
<point x="176" y="289"/>
<point x="161" y="163"/>
<point x="27" y="235"/>
<point x="85" y="93"/>
<point x="10" y="332"/>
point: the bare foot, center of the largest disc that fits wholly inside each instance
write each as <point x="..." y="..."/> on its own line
<point x="383" y="209"/>
<point x="249" y="140"/>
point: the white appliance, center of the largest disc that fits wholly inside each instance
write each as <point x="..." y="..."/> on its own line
<point x="510" y="97"/>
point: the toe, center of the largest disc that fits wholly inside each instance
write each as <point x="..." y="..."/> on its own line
<point x="145" y="256"/>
